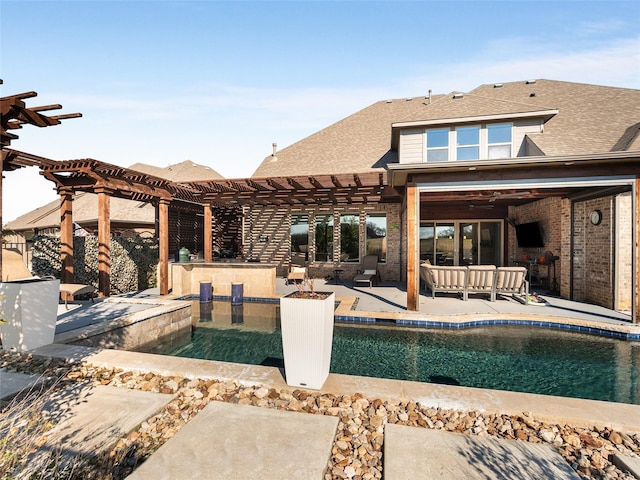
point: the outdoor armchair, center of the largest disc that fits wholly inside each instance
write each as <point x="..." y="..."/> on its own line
<point x="512" y="281"/>
<point x="447" y="279"/>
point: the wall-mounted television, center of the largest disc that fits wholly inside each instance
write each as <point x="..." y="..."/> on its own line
<point x="529" y="235"/>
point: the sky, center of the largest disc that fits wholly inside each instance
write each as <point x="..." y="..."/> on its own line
<point x="218" y="82"/>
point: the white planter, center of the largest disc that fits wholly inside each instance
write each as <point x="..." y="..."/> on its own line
<point x="30" y="308"/>
<point x="307" y="338"/>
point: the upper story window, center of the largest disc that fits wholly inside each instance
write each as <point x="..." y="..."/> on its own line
<point x="472" y="142"/>
<point x="468" y="143"/>
<point x="499" y="140"/>
<point x="438" y="145"/>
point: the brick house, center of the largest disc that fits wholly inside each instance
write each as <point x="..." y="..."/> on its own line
<point x="467" y="175"/>
<point x="541" y="173"/>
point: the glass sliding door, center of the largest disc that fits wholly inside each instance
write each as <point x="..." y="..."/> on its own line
<point x="468" y="244"/>
<point x="461" y="243"/>
<point x="491" y="243"/>
<point x="445" y="252"/>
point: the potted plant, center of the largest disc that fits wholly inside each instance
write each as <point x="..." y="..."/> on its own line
<point x="306" y="320"/>
<point x="29" y="312"/>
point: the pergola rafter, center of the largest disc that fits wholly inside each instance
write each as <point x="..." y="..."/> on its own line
<point x="14" y="113"/>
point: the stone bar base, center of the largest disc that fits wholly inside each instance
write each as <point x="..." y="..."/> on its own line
<point x="259" y="279"/>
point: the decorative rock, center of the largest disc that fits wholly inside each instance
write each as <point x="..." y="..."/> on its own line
<point x="615" y="438"/>
<point x="357" y="449"/>
<point x="547" y="435"/>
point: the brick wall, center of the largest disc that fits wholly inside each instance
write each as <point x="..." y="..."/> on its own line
<point x="603" y="254"/>
<point x="553" y="215"/>
<point x="593" y="253"/>
<point x="267" y="238"/>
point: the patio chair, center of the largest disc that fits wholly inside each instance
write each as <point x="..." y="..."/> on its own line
<point x="481" y="279"/>
<point x="296" y="273"/>
<point x="512" y="281"/>
<point x="425" y="275"/>
<point x="447" y="279"/>
<point x="368" y="271"/>
<point x="14" y="268"/>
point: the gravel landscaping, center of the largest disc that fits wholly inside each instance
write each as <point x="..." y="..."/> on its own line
<point x="358" y="447"/>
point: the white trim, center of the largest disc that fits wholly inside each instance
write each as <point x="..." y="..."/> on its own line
<point x="525" y="184"/>
<point x="634" y="256"/>
<point x="479" y="118"/>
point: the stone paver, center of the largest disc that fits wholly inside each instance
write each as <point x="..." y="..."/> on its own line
<point x="418" y="453"/>
<point x="90" y="419"/>
<point x="628" y="463"/>
<point x="12" y="383"/>
<point x="227" y="441"/>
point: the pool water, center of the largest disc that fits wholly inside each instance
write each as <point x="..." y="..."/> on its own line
<point x="516" y="358"/>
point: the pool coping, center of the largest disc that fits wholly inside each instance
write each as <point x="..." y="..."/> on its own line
<point x="345" y="312"/>
<point x="577" y="412"/>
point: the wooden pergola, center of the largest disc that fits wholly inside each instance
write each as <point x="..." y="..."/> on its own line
<point x="107" y="180"/>
<point x="14" y="113"/>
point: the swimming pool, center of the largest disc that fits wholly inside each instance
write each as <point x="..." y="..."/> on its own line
<point x="516" y="358"/>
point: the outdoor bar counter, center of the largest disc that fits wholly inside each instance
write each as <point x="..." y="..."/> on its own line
<point x="259" y="279"/>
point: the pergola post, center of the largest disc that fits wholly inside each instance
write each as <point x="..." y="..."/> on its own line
<point x="413" y="249"/>
<point x="66" y="235"/>
<point x="208" y="233"/>
<point x="104" y="242"/>
<point x="3" y="154"/>
<point x="163" y="240"/>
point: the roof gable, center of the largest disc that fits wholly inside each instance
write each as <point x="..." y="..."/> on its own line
<point x="85" y="210"/>
<point x="180" y="172"/>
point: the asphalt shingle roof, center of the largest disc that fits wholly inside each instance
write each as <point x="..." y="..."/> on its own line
<point x="590" y="119"/>
<point x="358" y="143"/>
<point x="180" y="172"/>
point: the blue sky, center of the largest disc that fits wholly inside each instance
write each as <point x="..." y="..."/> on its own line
<point x="218" y="82"/>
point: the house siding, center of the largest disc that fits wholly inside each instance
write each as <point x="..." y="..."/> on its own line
<point x="521" y="129"/>
<point x="412" y="143"/>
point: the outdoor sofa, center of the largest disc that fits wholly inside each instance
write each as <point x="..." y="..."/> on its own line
<point x="483" y="279"/>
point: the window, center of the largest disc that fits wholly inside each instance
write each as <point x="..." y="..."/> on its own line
<point x="468" y="143"/>
<point x="349" y="238"/>
<point x="300" y="235"/>
<point x="499" y="139"/>
<point x="376" y="243"/>
<point x="438" y="145"/>
<point x="324" y="238"/>
<point x="496" y="142"/>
